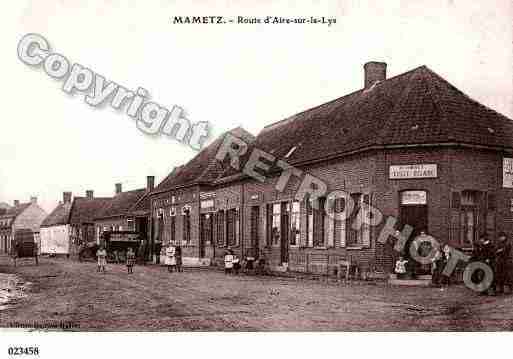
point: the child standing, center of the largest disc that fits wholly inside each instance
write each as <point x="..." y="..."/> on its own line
<point x="130" y="260"/>
<point x="400" y="267"/>
<point x="236" y="264"/>
<point x="101" y="253"/>
<point x="228" y="262"/>
<point x="170" y="258"/>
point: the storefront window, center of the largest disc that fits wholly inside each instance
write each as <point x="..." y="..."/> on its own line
<point x="276" y="224"/>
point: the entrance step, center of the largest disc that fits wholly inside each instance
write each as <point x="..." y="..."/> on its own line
<point x="420" y="281"/>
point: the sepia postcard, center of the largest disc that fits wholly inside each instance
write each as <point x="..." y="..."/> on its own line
<point x="181" y="177"/>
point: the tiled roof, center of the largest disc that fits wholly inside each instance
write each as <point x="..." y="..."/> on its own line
<point x="85" y="210"/>
<point x="60" y="215"/>
<point x="416" y="107"/>
<point x="121" y="203"/>
<point x="203" y="168"/>
<point x="15" y="211"/>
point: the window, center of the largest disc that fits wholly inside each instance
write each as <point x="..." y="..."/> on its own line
<point x="232" y="230"/>
<point x="172" y="229"/>
<point x="276" y="224"/>
<point x="319" y="214"/>
<point x="358" y="232"/>
<point x="469" y="213"/>
<point x="130" y="224"/>
<point x="295" y="221"/>
<point x="309" y="222"/>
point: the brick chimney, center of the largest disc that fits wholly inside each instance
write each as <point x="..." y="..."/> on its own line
<point x="66" y="197"/>
<point x="150" y="183"/>
<point x="89" y="194"/>
<point x="33" y="199"/>
<point x="119" y="188"/>
<point x="374" y="71"/>
<point x="16" y="203"/>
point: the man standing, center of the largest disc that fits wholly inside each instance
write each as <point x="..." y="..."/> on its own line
<point x="502" y="264"/>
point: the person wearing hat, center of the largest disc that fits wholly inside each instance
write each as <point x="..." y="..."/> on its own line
<point x="502" y="263"/>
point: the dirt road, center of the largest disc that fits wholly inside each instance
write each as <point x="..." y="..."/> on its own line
<point x="152" y="299"/>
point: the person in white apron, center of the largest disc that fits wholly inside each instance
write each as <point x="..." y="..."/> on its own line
<point x="228" y="262"/>
<point x="170" y="260"/>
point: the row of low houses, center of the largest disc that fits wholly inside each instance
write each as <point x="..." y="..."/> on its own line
<point x="413" y="146"/>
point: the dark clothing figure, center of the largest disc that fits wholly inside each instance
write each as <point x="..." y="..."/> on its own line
<point x="502" y="266"/>
<point x="178" y="257"/>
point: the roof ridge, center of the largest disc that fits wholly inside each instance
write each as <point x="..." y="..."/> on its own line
<point x="341" y="97"/>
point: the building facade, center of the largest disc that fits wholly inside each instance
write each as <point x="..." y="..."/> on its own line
<point x="55" y="233"/>
<point x="412" y="146"/>
<point x="20" y="216"/>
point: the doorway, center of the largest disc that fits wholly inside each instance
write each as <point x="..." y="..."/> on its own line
<point x="413" y="211"/>
<point x="206" y="232"/>
<point x="255" y="226"/>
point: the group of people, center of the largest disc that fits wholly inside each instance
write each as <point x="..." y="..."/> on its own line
<point x="231" y="262"/>
<point x="173" y="259"/>
<point x="496" y="254"/>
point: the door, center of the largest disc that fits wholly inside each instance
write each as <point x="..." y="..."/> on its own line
<point x="255" y="226"/>
<point x="285" y="233"/>
<point x="414" y="212"/>
<point x="205" y="232"/>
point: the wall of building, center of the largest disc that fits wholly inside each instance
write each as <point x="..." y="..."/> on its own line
<point x="30" y="218"/>
<point x="55" y="239"/>
<point x="178" y="199"/>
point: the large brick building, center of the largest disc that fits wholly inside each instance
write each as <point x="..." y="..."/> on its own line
<point x="412" y="146"/>
<point x="184" y="203"/>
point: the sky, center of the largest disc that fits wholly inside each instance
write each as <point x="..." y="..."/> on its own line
<point x="230" y="75"/>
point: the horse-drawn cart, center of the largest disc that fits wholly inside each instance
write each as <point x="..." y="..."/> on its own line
<point x="24" y="245"/>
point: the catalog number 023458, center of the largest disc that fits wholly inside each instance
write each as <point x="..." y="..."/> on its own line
<point x="19" y="351"/>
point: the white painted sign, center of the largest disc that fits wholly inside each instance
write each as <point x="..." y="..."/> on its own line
<point x="413" y="197"/>
<point x="413" y="171"/>
<point x="507" y="172"/>
<point x="206" y="195"/>
<point x="207" y="204"/>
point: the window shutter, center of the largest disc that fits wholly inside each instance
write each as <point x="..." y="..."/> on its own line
<point x="490" y="214"/>
<point x="303" y="225"/>
<point x="492" y="205"/>
<point x="268" y="225"/>
<point x="455" y="217"/>
<point x="365" y="226"/>
<point x="310" y="220"/>
<point x="456" y="200"/>
<point x="237" y="226"/>
<point x="330" y="223"/>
